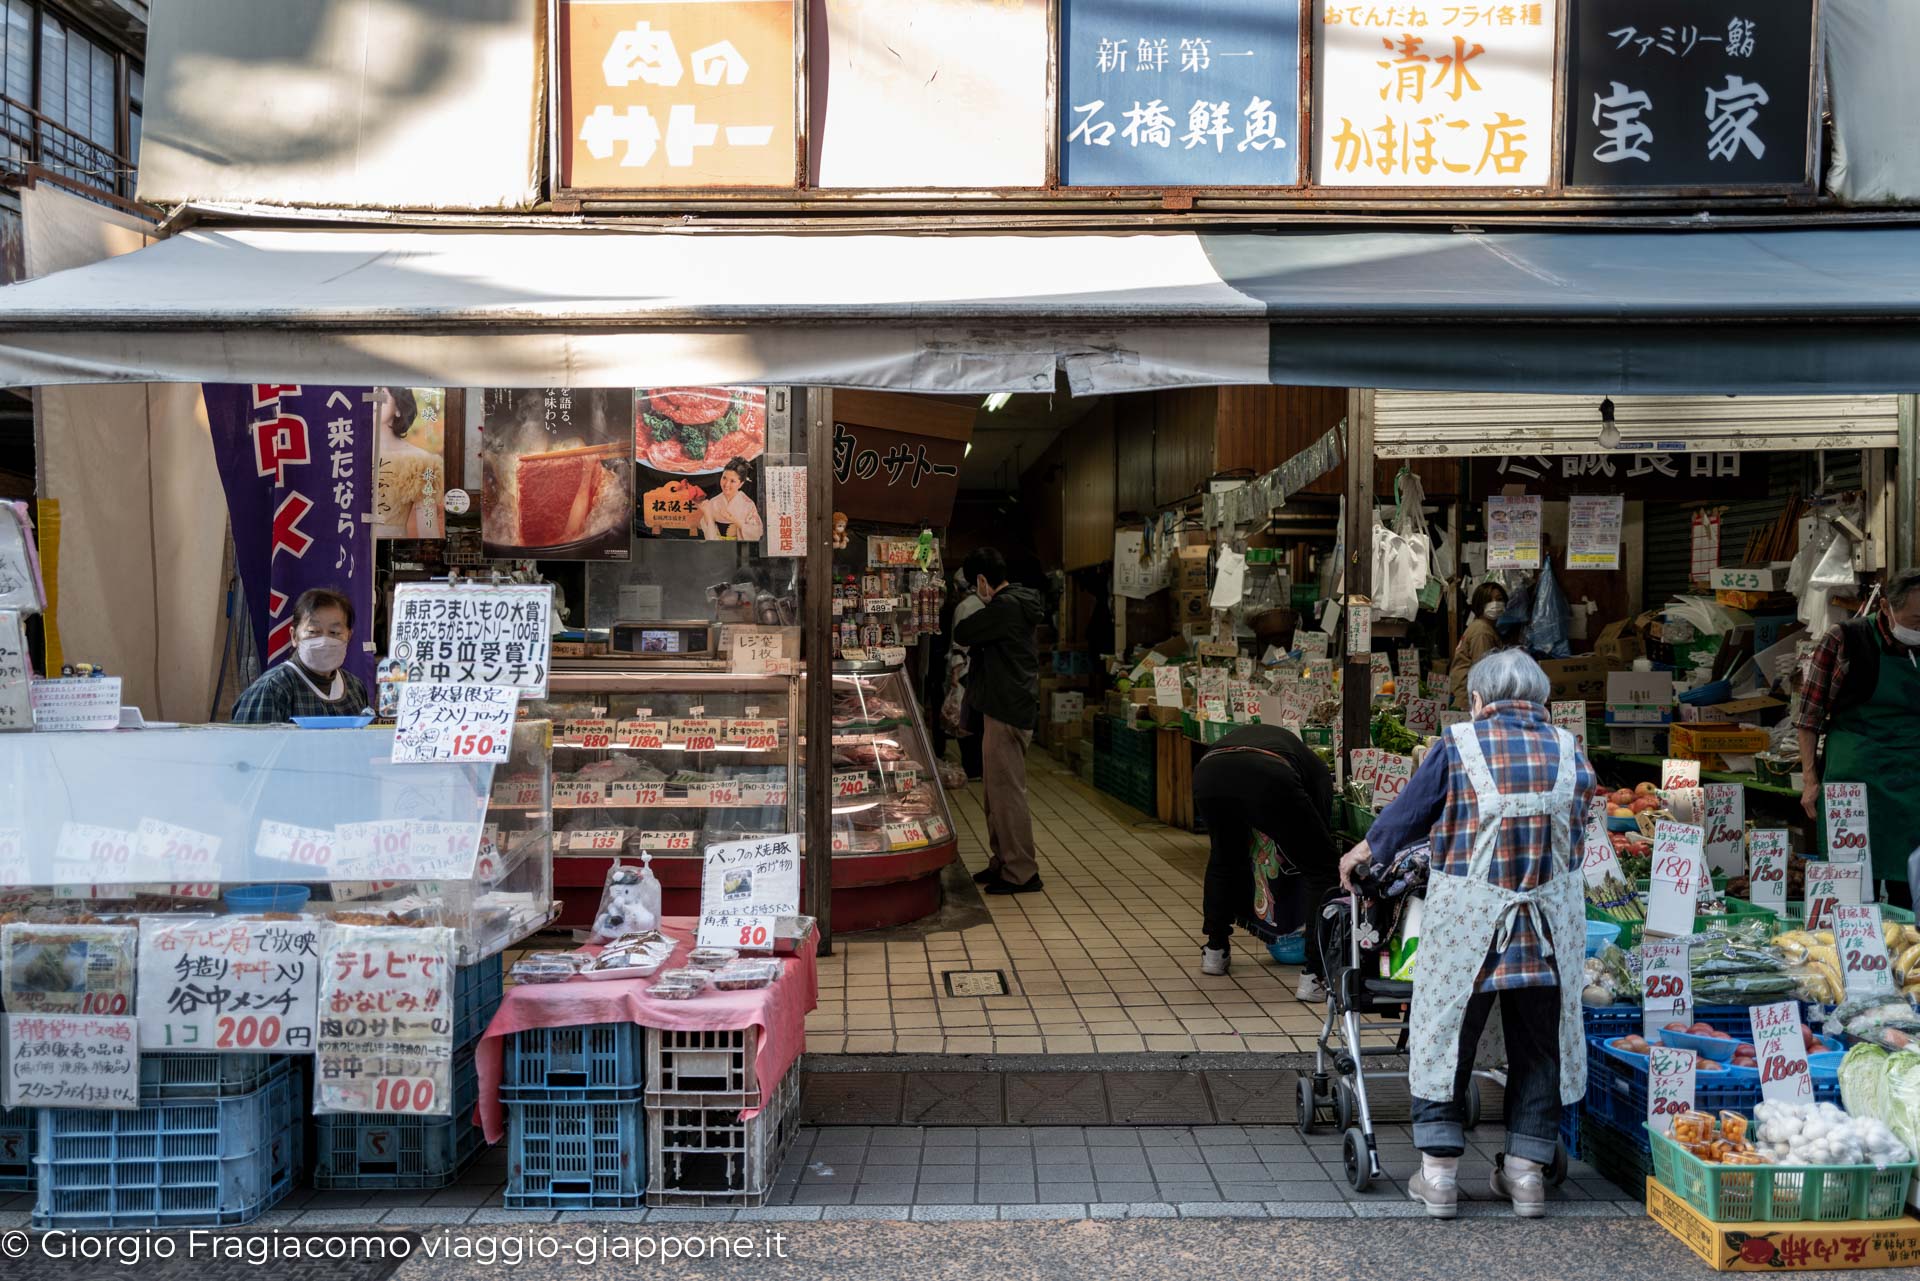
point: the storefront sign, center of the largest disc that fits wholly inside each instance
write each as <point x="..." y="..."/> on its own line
<point x="440" y="724"/>
<point x="1864" y="966"/>
<point x="474" y="634"/>
<point x="76" y="703"/>
<point x="297" y="466"/>
<point x="229" y="985"/>
<point x="1571" y="716"/>
<point x="1711" y="95"/>
<point x="1829" y="885"/>
<point x="894" y="476"/>
<point x="1433" y="96"/>
<point x="1645" y="469"/>
<point x="1593" y="531"/>
<point x="1669" y="1086"/>
<point x="1726" y="827"/>
<point x="1666" y="982"/>
<point x="1846" y="822"/>
<point x="1767" y="856"/>
<point x="73" y="1061"/>
<point x="1513" y="532"/>
<point x="386" y="1021"/>
<point x="660" y="95"/>
<point x="1201" y="94"/>
<point x="1678" y="869"/>
<point x="745" y="888"/>
<point x="786" y="494"/>
<point x="1782" y="1050"/>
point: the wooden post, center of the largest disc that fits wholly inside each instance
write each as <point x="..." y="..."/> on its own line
<point x="814" y="407"/>
<point x="1356" y="701"/>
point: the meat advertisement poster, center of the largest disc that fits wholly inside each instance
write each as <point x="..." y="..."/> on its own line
<point x="556" y="473"/>
<point x="699" y="452"/>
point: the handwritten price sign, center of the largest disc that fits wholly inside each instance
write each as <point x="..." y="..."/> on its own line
<point x="1830" y="884"/>
<point x="1726" y="826"/>
<point x="1846" y="822"/>
<point x="1678" y="776"/>
<point x="437" y="724"/>
<point x="1678" y="867"/>
<point x="1864" y="966"/>
<point x="1670" y="1083"/>
<point x="1782" y="1051"/>
<point x="1767" y="855"/>
<point x="1390" y="778"/>
<point x="1597" y="856"/>
<point x="1423" y="716"/>
<point x="1570" y="716"/>
<point x="1666" y="983"/>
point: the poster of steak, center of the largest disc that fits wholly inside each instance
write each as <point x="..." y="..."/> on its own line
<point x="556" y="473"/>
<point x="698" y="452"/>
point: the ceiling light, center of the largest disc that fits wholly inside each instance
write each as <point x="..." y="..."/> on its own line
<point x="996" y="402"/>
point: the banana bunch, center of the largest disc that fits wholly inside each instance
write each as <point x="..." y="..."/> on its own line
<point x="1815" y="953"/>
<point x="1903" y="945"/>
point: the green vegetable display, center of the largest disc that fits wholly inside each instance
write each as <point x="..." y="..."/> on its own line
<point x="1391" y="734"/>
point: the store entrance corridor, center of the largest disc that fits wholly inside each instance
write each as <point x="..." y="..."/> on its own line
<point x="1105" y="961"/>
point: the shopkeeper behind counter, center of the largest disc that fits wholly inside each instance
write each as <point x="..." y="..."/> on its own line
<point x="1489" y="601"/>
<point x="1863" y="692"/>
<point x="312" y="682"/>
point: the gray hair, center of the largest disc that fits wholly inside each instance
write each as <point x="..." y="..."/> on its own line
<point x="1902" y="586"/>
<point x="1509" y="676"/>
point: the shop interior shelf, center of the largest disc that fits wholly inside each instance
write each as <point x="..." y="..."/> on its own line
<point x="1782" y="1193"/>
<point x="576" y="1156"/>
<point x="596" y="1062"/>
<point x="377" y="1152"/>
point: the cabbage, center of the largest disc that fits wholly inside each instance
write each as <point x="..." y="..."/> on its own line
<point x="1863" y="1081"/>
<point x="1900" y="1104"/>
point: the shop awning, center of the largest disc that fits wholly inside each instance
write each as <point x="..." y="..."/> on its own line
<point x="1811" y="311"/>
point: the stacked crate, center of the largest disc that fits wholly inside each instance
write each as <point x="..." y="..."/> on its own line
<point x="701" y="1151"/>
<point x="382" y="1151"/>
<point x="576" y="1120"/>
<point x="1124" y="763"/>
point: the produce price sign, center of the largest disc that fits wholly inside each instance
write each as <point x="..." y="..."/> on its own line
<point x="1571" y="716"/>
<point x="1864" y="966"/>
<point x="1781" y="1048"/>
<point x="1390" y="779"/>
<point x="1726" y="826"/>
<point x="745" y="887"/>
<point x="1830" y="884"/>
<point x="1678" y="868"/>
<point x="1366" y="765"/>
<point x="444" y="724"/>
<point x="1678" y="776"/>
<point x="1666" y="983"/>
<point x="1598" y="859"/>
<point x="1846" y="822"/>
<point x="1166" y="685"/>
<point x="1767" y="855"/>
<point x="1669" y="1085"/>
<point x="386" y="1021"/>
<point x="229" y="985"/>
<point x="73" y="1061"/>
<point x="1423" y="716"/>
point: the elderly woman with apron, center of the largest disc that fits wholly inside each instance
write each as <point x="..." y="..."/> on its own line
<point x="1505" y="800"/>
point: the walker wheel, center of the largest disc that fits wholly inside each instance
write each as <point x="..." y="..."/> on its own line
<point x="1308" y="1107"/>
<point x="1343" y="1105"/>
<point x="1358" y="1159"/>
<point x="1557" y="1171"/>
<point x="1473" y="1102"/>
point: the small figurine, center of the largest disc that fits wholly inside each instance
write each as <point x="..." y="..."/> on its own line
<point x="839" y="531"/>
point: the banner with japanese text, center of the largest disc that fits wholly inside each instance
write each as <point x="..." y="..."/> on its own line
<point x="386" y="1021"/>
<point x="229" y="984"/>
<point x="895" y="476"/>
<point x="297" y="466"/>
<point x="1433" y="94"/>
<point x="1201" y="94"/>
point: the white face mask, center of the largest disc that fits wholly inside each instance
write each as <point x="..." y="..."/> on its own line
<point x="1906" y="635"/>
<point x="1493" y="610"/>
<point x="322" y="653"/>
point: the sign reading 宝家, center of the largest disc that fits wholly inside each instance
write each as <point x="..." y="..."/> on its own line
<point x="229" y="985"/>
<point x="493" y="634"/>
<point x="1710" y="94"/>
<point x="1457" y="96"/>
<point x="386" y="1021"/>
<point x="439" y="724"/>
<point x="1200" y="94"/>
<point x="745" y="888"/>
<point x="73" y="1061"/>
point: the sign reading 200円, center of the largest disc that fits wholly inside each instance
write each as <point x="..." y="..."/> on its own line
<point x="1199" y="94"/>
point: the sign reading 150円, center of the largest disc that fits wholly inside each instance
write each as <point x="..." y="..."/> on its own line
<point x="1433" y="94"/>
<point x="1204" y="93"/>
<point x="664" y="94"/>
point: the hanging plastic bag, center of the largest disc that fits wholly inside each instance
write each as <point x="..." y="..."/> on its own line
<point x="1410" y="522"/>
<point x="1549" y="620"/>
<point x="625" y="909"/>
<point x="1396" y="594"/>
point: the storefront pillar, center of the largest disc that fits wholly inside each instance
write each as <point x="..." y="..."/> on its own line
<point x="1356" y="698"/>
<point x="1906" y="508"/>
<point x="816" y="406"/>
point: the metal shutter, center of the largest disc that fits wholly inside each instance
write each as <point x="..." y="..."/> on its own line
<point x="1451" y="424"/>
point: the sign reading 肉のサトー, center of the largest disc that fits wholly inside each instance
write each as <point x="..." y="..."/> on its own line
<point x="229" y="985"/>
<point x="474" y="634"/>
<point x="1200" y="94"/>
<point x="1709" y="94"/>
<point x="386" y="1021"/>
<point x="666" y="94"/>
<point x="1430" y="95"/>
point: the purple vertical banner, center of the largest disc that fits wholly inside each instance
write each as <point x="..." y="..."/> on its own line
<point x="297" y="465"/>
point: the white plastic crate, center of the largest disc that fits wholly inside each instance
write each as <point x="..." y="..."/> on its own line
<point x="704" y="1156"/>
<point x="701" y="1069"/>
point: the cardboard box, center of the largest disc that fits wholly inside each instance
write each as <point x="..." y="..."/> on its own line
<point x="1622" y="642"/>
<point x="1710" y="744"/>
<point x="1584" y="677"/>
<point x="1140" y="694"/>
<point x="1190" y="569"/>
<point x="1785" y="1247"/>
<point x="1744" y="711"/>
<point x="1637" y="740"/>
<point x="1190" y="608"/>
<point x="1165" y="715"/>
<point x="1644" y="689"/>
<point x="1639" y="714"/>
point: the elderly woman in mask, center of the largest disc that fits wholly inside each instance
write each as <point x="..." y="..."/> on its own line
<point x="312" y="682"/>
<point x="1480" y="639"/>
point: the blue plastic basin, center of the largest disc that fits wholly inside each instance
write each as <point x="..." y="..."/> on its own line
<point x="1599" y="935"/>
<point x="247" y="899"/>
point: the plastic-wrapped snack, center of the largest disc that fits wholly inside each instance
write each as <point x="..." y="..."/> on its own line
<point x="710" y="958"/>
<point x="681" y="985"/>
<point x="740" y="976"/>
<point x="1733" y="1127"/>
<point x="544" y="967"/>
<point x="1692" y="1128"/>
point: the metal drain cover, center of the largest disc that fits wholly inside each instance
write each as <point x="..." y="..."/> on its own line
<point x="975" y="982"/>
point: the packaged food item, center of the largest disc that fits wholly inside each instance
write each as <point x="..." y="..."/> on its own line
<point x="1693" y="1127"/>
<point x="710" y="958"/>
<point x="681" y="984"/>
<point x="545" y="967"/>
<point x="1733" y="1126"/>
<point x="739" y="976"/>
<point x="1749" y="1158"/>
<point x="638" y="957"/>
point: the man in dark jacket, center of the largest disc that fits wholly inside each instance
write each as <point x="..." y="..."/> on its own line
<point x="1003" y="696"/>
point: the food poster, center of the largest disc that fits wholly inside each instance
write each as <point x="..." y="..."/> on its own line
<point x="67" y="969"/>
<point x="699" y="454"/>
<point x="556" y="473"/>
<point x="409" y="468"/>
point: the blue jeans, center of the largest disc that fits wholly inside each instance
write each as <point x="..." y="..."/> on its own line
<point x="1531" y="1016"/>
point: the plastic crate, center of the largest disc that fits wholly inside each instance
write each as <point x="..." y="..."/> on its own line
<point x="576" y="1156"/>
<point x="18" y="1134"/>
<point x="1610" y="1021"/>
<point x="703" y="1069"/>
<point x="172" y="1163"/>
<point x="1617" y="1094"/>
<point x="477" y="991"/>
<point x="1571" y="1115"/>
<point x="204" y="1076"/>
<point x="1781" y="1193"/>
<point x="1616" y="1156"/>
<point x="1889" y="914"/>
<point x="587" y="1063"/>
<point x="383" y="1151"/>
<point x="711" y="1157"/>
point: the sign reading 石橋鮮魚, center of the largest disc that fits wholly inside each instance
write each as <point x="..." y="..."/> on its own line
<point x="1201" y="94"/>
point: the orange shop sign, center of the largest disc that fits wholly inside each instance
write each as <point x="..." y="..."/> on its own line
<point x="666" y="94"/>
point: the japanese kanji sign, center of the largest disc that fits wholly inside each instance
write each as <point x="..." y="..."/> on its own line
<point x="1710" y="94"/>
<point x="1513" y="532"/>
<point x="438" y="724"/>
<point x="895" y="476"/>
<point x="665" y="94"/>
<point x="297" y="466"/>
<point x="1639" y="469"/>
<point x="496" y="634"/>
<point x="1433" y="94"/>
<point x="16" y="674"/>
<point x="386" y="1021"/>
<point x="73" y="1061"/>
<point x="229" y="985"/>
<point x="1199" y="94"/>
<point x="745" y="887"/>
<point x="786" y="492"/>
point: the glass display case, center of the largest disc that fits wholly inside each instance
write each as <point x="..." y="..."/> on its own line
<point x="886" y="793"/>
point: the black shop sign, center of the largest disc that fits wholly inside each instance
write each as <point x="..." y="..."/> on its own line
<point x="1709" y="94"/>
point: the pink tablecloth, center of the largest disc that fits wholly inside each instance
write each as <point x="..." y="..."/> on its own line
<point x="779" y="1011"/>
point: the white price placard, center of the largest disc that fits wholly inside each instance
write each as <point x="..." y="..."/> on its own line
<point x="745" y="887"/>
<point x="73" y="1061"/>
<point x="1598" y="859"/>
<point x="1678" y="867"/>
<point x="229" y="986"/>
<point x="308" y="847"/>
<point x="641" y="735"/>
<point x="475" y="634"/>
<point x="76" y="703"/>
<point x="1666" y="983"/>
<point x="1669" y="1085"/>
<point x="385" y="1041"/>
<point x="579" y="793"/>
<point x="1390" y="777"/>
<point x="633" y="793"/>
<point x="1366" y="764"/>
<point x="1726" y="827"/>
<point x="1767" y="855"/>
<point x="1829" y="884"/>
<point x="1864" y="966"/>
<point x="1359" y="625"/>
<point x="601" y="840"/>
<point x="1781" y="1048"/>
<point x="1678" y="776"/>
<point x="445" y="724"/>
<point x="1571" y="716"/>
<point x="1847" y="840"/>
<point x="1166" y="686"/>
<point x="1423" y="716"/>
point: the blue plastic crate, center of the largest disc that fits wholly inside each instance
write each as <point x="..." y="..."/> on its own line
<point x="180" y="1075"/>
<point x="172" y="1163"/>
<point x="477" y="990"/>
<point x="389" y="1151"/>
<point x="18" y="1133"/>
<point x="1617" y="1094"/>
<point x="592" y="1063"/>
<point x="1571" y="1116"/>
<point x="1609" y="1021"/>
<point x="576" y="1156"/>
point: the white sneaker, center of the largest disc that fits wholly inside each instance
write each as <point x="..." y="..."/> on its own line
<point x="1440" y="1195"/>
<point x="1213" y="960"/>
<point x="1311" y="989"/>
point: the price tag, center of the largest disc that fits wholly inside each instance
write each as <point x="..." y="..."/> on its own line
<point x="1366" y="765"/>
<point x="891" y="655"/>
<point x="1678" y="867"/>
<point x="851" y="783"/>
<point x="907" y="835"/>
<point x="1243" y="668"/>
<point x="1406" y="670"/>
<point x="644" y="735"/>
<point x="90" y="855"/>
<point x="854" y="655"/>
<point x="1598" y="859"/>
<point x="1213" y="707"/>
<point x="578" y="793"/>
<point x="1359" y="625"/>
<point x="204" y="890"/>
<point x="1423" y="716"/>
<point x="1390" y="779"/>
<point x="1726" y="827"/>
<point x="765" y="794"/>
<point x="636" y="794"/>
<point x="177" y="851"/>
<point x="1380" y="669"/>
<point x="753" y="735"/>
<point x="1767" y="855"/>
<point x="1669" y="1086"/>
<point x="665" y="842"/>
<point x="1678" y="776"/>
<point x="1246" y="707"/>
<point x="1166" y="686"/>
<point x="290" y="843"/>
<point x="713" y="794"/>
<point x="1829" y="884"/>
<point x="1570" y="716"/>
<point x="517" y="793"/>
<point x="436" y="724"/>
<point x="594" y="733"/>
<point x="1864" y="966"/>
<point x="906" y="780"/>
<point x="1846" y="823"/>
<point x="695" y="735"/>
<point x="1782" y="1050"/>
<point x="604" y="840"/>
<point x="1666" y="983"/>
